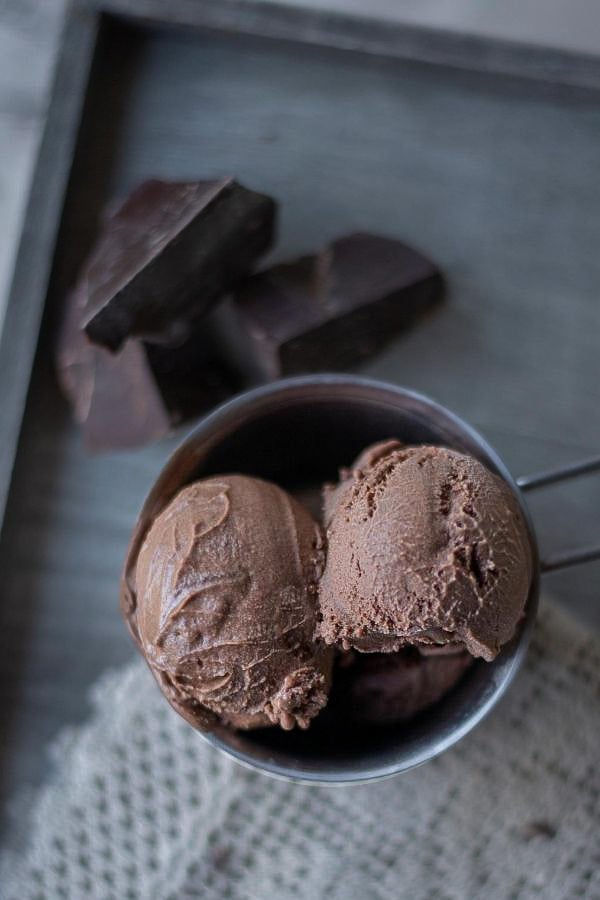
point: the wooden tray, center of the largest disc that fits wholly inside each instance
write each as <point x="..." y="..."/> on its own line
<point x="491" y="170"/>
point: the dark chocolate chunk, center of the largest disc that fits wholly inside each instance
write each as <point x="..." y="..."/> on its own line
<point x="168" y="253"/>
<point x="137" y="395"/>
<point x="330" y="310"/>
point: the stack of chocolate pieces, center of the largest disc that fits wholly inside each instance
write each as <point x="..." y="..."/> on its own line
<point x="137" y="354"/>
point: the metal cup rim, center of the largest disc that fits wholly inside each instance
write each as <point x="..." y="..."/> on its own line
<point x="250" y="403"/>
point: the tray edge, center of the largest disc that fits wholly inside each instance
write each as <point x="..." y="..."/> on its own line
<point x="33" y="265"/>
<point x="366" y="34"/>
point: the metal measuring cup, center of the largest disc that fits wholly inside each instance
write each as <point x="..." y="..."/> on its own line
<point x="298" y="432"/>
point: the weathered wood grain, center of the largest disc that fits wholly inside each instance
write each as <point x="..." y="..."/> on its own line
<point x="29" y="33"/>
<point x="374" y="31"/>
<point x="19" y="336"/>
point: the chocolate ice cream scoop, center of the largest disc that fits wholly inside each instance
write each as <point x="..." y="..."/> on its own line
<point x="425" y="546"/>
<point x="224" y="592"/>
<point x="387" y="688"/>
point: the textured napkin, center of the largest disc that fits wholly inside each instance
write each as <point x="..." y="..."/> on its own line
<point x="142" y="808"/>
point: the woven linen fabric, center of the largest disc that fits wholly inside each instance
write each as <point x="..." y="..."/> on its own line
<point x="142" y="808"/>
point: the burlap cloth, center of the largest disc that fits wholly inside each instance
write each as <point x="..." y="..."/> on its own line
<point x="141" y="808"/>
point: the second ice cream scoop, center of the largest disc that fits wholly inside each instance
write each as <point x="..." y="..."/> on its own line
<point x="425" y="546"/>
<point x="225" y="587"/>
<point x="388" y="688"/>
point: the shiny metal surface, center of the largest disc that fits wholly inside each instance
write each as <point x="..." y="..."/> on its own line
<point x="575" y="555"/>
<point x="298" y="432"/>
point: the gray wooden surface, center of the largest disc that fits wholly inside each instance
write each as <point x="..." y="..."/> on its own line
<point x="376" y="31"/>
<point x="550" y="23"/>
<point x="29" y="32"/>
<point x="497" y="182"/>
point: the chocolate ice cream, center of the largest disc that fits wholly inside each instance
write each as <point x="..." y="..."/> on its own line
<point x="387" y="688"/>
<point x="425" y="547"/>
<point x="221" y="600"/>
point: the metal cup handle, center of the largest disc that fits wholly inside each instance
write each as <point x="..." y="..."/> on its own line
<point x="552" y="476"/>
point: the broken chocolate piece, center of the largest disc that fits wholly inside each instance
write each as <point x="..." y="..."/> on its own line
<point x="168" y="253"/>
<point x="330" y="310"/>
<point x="135" y="396"/>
